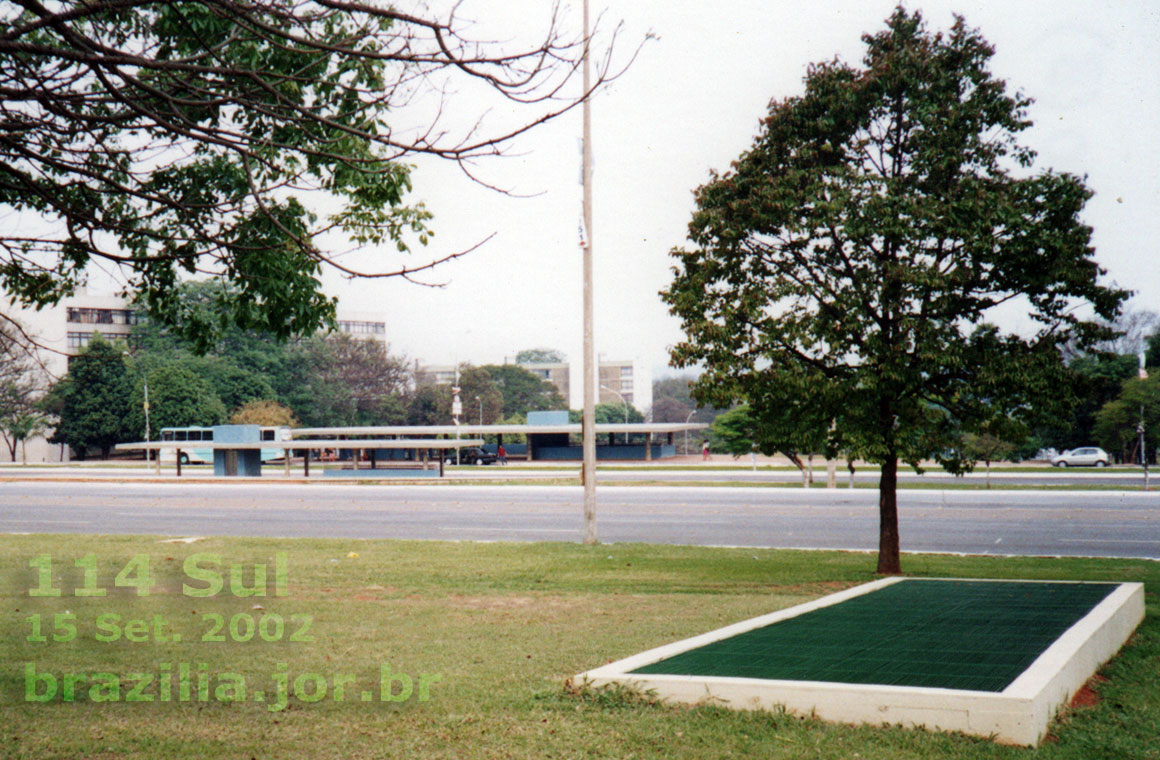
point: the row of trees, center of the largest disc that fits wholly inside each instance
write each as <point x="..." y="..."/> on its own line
<point x="1112" y="402"/>
<point x="332" y="380"/>
<point x="247" y="377"/>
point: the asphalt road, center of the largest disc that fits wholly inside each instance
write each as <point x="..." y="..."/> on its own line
<point x="1124" y="524"/>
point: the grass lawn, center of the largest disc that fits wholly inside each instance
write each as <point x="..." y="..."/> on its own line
<point x="495" y="628"/>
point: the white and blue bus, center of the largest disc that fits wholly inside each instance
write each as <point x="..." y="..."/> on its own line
<point x="199" y="455"/>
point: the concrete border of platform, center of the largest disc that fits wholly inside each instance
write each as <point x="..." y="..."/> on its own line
<point x="1019" y="714"/>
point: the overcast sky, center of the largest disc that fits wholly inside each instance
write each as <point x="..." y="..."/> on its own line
<point x="691" y="102"/>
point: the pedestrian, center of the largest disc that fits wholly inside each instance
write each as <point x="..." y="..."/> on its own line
<point x="705" y="451"/>
<point x="501" y="454"/>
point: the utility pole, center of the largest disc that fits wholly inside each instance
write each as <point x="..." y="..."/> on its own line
<point x="1140" y="427"/>
<point x="588" y="420"/>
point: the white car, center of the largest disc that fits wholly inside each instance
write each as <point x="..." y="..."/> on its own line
<point x="1088" y="456"/>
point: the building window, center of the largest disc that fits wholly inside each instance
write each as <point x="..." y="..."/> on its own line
<point x="101" y="316"/>
<point x="355" y="327"/>
<point x="78" y="340"/>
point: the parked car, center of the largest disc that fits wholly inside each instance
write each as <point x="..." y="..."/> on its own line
<point x="1088" y="456"/>
<point x="472" y="455"/>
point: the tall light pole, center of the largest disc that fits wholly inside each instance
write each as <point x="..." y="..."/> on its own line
<point x="480" y="400"/>
<point x="610" y="390"/>
<point x="1140" y="427"/>
<point x="588" y="420"/>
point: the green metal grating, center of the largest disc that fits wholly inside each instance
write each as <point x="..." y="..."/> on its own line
<point x="975" y="635"/>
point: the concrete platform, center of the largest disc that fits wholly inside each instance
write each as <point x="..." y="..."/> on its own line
<point x="1019" y="713"/>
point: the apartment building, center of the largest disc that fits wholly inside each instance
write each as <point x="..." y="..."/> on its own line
<point x="619" y="381"/>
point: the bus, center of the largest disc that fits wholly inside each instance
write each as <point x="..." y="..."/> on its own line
<point x="198" y="455"/>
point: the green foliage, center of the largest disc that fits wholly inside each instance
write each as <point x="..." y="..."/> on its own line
<point x="1099" y="377"/>
<point x="1117" y="421"/>
<point x="92" y="400"/>
<point x="173" y="138"/>
<point x="427" y="405"/>
<point x="16" y="428"/>
<point x="477" y="390"/>
<point x="326" y="380"/>
<point x="523" y="391"/>
<point x="842" y="272"/>
<point x="338" y="380"/>
<point x="734" y="432"/>
<point x="178" y="397"/>
<point x="540" y="356"/>
<point x="1152" y="350"/>
<point x="616" y="413"/>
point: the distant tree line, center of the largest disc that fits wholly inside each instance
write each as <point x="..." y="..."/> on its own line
<point x="323" y="380"/>
<point x="1112" y="401"/>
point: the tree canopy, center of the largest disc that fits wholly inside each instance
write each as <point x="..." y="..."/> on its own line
<point x="843" y="275"/>
<point x="92" y="400"/>
<point x="541" y="356"/>
<point x="523" y="391"/>
<point x="198" y="136"/>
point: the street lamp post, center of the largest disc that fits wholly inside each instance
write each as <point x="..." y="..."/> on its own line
<point x="480" y="400"/>
<point x="606" y="388"/>
<point x="1140" y="427"/>
<point x="687" y="431"/>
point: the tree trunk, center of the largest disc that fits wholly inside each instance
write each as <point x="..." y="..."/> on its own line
<point x="889" y="561"/>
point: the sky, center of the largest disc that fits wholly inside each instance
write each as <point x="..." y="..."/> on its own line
<point x="691" y="103"/>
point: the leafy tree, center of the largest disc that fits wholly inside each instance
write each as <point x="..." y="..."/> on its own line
<point x="1099" y="379"/>
<point x="477" y="389"/>
<point x="540" y="356"/>
<point x="235" y="386"/>
<point x="742" y="430"/>
<point x="1116" y="423"/>
<point x="523" y="391"/>
<point x="264" y="412"/>
<point x="179" y="137"/>
<point x="848" y="263"/>
<point x="17" y="428"/>
<point x="611" y="413"/>
<point x="988" y="447"/>
<point x="673" y="401"/>
<point x="21" y="386"/>
<point x="341" y="380"/>
<point x="92" y="400"/>
<point x="734" y="432"/>
<point x="178" y="397"/>
<point x="427" y="405"/>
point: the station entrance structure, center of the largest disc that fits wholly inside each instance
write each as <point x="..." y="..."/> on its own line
<point x="549" y="436"/>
